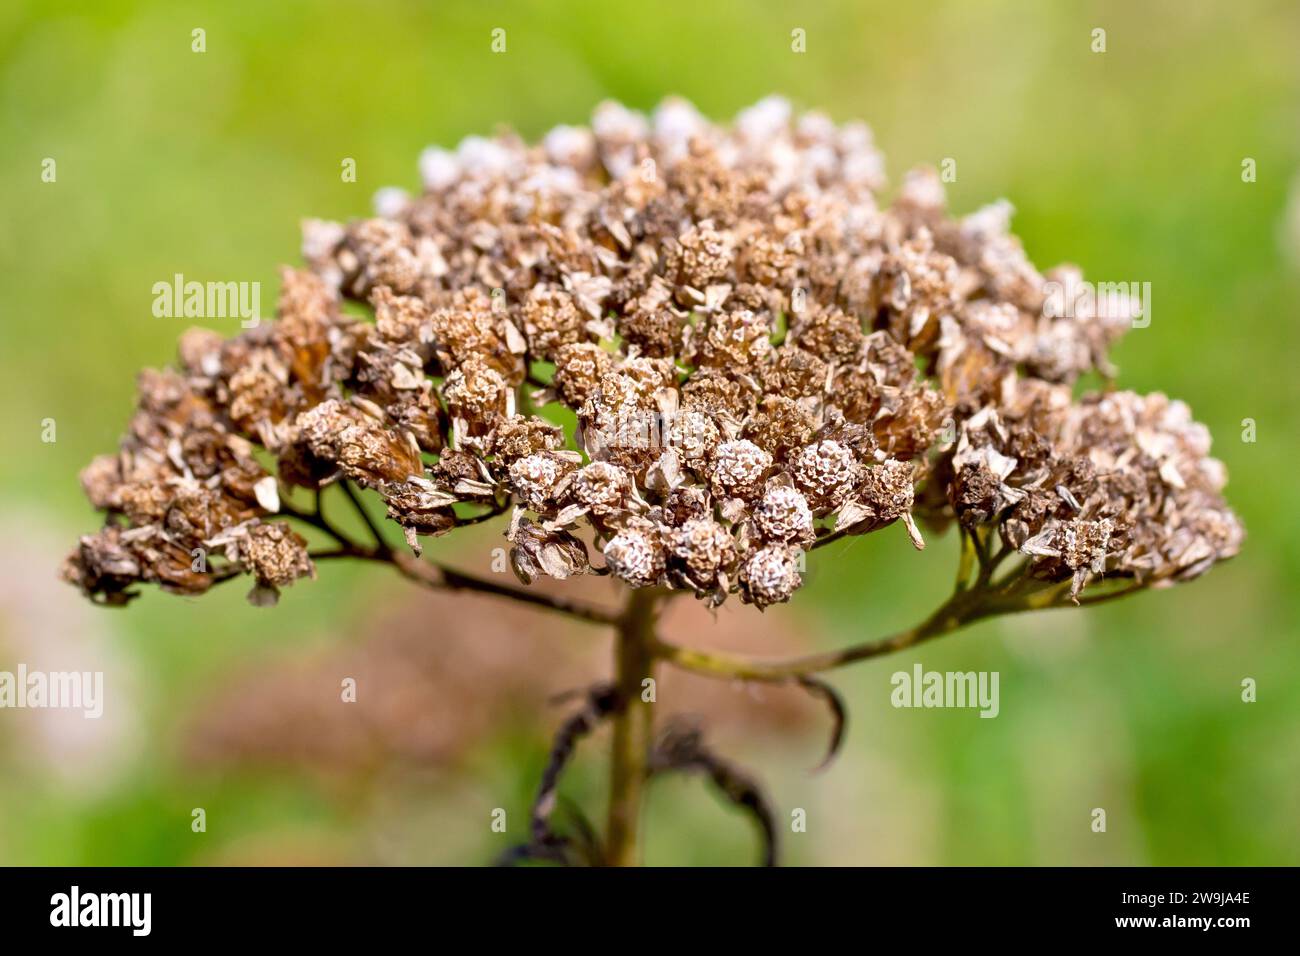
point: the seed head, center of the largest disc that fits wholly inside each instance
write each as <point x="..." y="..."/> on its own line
<point x="739" y="468"/>
<point x="756" y="349"/>
<point x="783" y="516"/>
<point x="770" y="575"/>
<point x="603" y="488"/>
<point x="635" y="557"/>
<point x="538" y="479"/>
<point x="826" y="472"/>
<point x="702" y="549"/>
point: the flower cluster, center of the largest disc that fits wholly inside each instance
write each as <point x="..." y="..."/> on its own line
<point x="752" y="353"/>
<point x="1117" y="483"/>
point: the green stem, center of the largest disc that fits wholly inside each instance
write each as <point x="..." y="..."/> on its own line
<point x="962" y="608"/>
<point x="633" y="725"/>
<point x="966" y="562"/>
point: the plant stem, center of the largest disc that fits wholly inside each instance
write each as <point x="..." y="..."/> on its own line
<point x="439" y="576"/>
<point x="962" y="608"/>
<point x="633" y="723"/>
<point x="360" y="507"/>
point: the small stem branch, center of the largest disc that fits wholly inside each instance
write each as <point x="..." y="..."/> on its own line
<point x="360" y="507"/>
<point x="344" y="552"/>
<point x="966" y="563"/>
<point x="438" y="576"/>
<point x="716" y="664"/>
<point x="630" y="748"/>
<point x="494" y="512"/>
<point x="981" y="551"/>
<point x="995" y="562"/>
<point x="962" y="608"/>
<point x="1090" y="599"/>
<point x="317" y="520"/>
<point x="829" y="538"/>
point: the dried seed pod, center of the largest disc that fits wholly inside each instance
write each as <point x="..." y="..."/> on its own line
<point x="476" y="393"/>
<point x="780" y="426"/>
<point x="636" y="557"/>
<point x="358" y="443"/>
<point x="551" y="320"/>
<point x="521" y="435"/>
<point x="713" y="392"/>
<point x="782" y="516"/>
<point x="770" y="261"/>
<point x="795" y="373"/>
<point x="537" y="552"/>
<point x="401" y="319"/>
<point x="770" y="575"/>
<point x="651" y="324"/>
<point x="917" y="283"/>
<point x="256" y="395"/>
<point x="275" y="554"/>
<point x="737" y="341"/>
<point x="473" y="325"/>
<point x="682" y="504"/>
<point x="602" y="488"/>
<point x="699" y="256"/>
<point x="105" y="567"/>
<point x="829" y="334"/>
<point x="420" y="509"/>
<point x="540" y="480"/>
<point x="692" y="434"/>
<point x="885" y="494"/>
<point x="200" y="351"/>
<point x="385" y="254"/>
<point x="578" y="370"/>
<point x="738" y="469"/>
<point x="701" y="551"/>
<point x="826" y="472"/>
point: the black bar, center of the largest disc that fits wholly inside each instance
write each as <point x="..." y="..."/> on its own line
<point x="301" y="905"/>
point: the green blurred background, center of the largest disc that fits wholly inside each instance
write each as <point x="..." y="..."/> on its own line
<point x="1127" y="162"/>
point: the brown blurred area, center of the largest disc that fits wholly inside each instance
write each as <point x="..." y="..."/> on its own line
<point x="440" y="676"/>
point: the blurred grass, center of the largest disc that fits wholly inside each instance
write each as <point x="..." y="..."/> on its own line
<point x="1127" y="163"/>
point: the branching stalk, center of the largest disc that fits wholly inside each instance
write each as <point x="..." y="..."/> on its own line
<point x="434" y="575"/>
<point x="439" y="576"/>
<point x="978" y="593"/>
<point x="965" y="606"/>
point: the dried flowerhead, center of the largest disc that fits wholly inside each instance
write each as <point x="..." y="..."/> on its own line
<point x="758" y="355"/>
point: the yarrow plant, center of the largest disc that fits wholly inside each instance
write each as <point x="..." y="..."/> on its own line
<point x="757" y="359"/>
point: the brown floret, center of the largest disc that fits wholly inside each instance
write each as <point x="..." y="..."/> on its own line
<point x="578" y="371"/>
